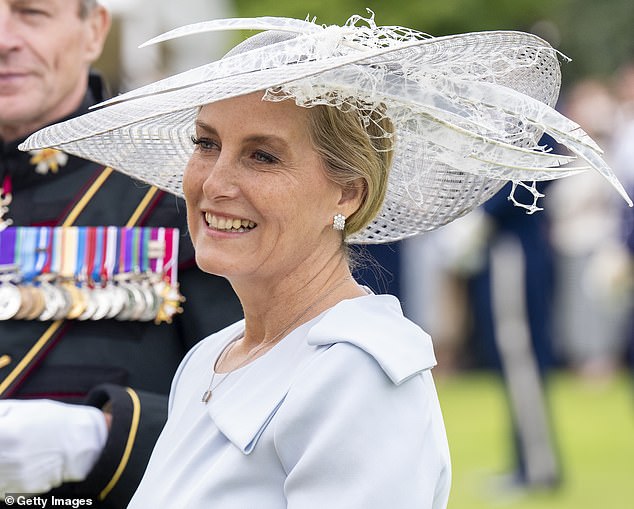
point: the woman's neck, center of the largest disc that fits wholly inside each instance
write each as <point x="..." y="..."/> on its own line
<point x="272" y="310"/>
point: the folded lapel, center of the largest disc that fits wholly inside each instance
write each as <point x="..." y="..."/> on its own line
<point x="375" y="323"/>
<point x="248" y="401"/>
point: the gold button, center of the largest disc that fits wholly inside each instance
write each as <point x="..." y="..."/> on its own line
<point x="5" y="360"/>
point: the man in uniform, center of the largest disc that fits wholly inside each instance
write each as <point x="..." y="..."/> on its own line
<point x="82" y="399"/>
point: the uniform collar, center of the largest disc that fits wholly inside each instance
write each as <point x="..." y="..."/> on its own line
<point x="247" y="403"/>
<point x="18" y="164"/>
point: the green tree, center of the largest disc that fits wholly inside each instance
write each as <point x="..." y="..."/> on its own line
<point x="597" y="35"/>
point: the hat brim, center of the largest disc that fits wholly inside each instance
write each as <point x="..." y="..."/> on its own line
<point x="468" y="112"/>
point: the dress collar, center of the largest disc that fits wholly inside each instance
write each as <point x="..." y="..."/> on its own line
<point x="400" y="347"/>
<point x="373" y="323"/>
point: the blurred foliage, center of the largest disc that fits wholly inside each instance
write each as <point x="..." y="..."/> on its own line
<point x="437" y="17"/>
<point x="597" y="35"/>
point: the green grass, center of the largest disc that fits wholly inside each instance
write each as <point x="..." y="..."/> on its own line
<point x="594" y="426"/>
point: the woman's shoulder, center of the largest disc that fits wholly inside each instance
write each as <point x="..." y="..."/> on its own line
<point x="374" y="326"/>
<point x="371" y="368"/>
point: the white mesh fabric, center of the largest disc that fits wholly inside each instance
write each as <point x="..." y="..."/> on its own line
<point x="468" y="111"/>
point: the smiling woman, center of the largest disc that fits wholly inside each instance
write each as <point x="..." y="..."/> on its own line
<point x="307" y="138"/>
<point x="267" y="174"/>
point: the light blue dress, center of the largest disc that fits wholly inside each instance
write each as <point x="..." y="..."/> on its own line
<point x="342" y="413"/>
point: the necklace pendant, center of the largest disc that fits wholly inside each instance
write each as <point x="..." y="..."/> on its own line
<point x="206" y="396"/>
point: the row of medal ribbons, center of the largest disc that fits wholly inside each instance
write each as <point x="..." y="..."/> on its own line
<point x="89" y="273"/>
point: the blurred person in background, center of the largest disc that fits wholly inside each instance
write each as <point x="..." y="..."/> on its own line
<point x="136" y="21"/>
<point x="511" y="296"/>
<point x="592" y="299"/>
<point x="445" y="260"/>
<point x="501" y="218"/>
<point x="84" y="389"/>
<point x="622" y="151"/>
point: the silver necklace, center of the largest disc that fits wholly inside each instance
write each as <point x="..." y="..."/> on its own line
<point x="211" y="388"/>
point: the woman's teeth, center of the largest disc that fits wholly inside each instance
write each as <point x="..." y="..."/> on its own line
<point x="228" y="223"/>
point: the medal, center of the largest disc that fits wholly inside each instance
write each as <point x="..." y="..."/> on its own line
<point x="26" y="302"/>
<point x="63" y="300"/>
<point x="152" y="302"/>
<point x="134" y="238"/>
<point x="115" y="296"/>
<point x="102" y="299"/>
<point x="91" y="303"/>
<point x="43" y="277"/>
<point x="128" y="302"/>
<point x="84" y="258"/>
<point x="77" y="299"/>
<point x="10" y="300"/>
<point x="38" y="303"/>
<point x="118" y="299"/>
<point x="120" y="277"/>
<point x="97" y="238"/>
<point x="25" y="244"/>
<point x="69" y="245"/>
<point x="53" y="300"/>
<point x="135" y="303"/>
<point x="167" y="287"/>
<point x="89" y="273"/>
<point x="65" y="303"/>
<point x="147" y="249"/>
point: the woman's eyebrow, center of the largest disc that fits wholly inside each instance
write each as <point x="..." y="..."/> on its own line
<point x="205" y="127"/>
<point x="267" y="138"/>
<point x="255" y="138"/>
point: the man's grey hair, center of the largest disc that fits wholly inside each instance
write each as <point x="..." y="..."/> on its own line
<point x="86" y="7"/>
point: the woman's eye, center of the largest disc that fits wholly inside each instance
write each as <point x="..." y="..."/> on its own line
<point x="204" y="143"/>
<point x="263" y="157"/>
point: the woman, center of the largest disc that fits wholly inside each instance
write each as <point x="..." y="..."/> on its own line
<point x="305" y="139"/>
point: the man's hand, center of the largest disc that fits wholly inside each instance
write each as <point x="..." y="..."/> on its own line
<point x="44" y="443"/>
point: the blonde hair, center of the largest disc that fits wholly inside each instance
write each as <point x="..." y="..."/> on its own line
<point x="354" y="150"/>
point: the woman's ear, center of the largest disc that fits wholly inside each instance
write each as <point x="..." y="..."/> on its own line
<point x="352" y="197"/>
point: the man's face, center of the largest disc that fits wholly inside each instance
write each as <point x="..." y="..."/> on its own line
<point x="45" y="52"/>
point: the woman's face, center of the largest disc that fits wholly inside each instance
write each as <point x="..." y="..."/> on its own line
<point x="259" y="203"/>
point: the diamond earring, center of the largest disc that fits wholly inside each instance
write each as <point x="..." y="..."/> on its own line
<point x="339" y="222"/>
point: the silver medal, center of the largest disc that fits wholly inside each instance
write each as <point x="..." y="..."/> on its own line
<point x="10" y="300"/>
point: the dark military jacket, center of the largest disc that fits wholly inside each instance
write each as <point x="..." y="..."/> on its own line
<point x="128" y="364"/>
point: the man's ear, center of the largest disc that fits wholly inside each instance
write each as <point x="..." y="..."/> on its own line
<point x="98" y="23"/>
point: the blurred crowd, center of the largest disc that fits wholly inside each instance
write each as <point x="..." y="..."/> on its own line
<point x="578" y="256"/>
<point x="127" y="67"/>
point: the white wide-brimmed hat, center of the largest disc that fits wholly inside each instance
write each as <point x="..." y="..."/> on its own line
<point x="468" y="111"/>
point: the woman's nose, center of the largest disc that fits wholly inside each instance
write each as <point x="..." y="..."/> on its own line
<point x="221" y="180"/>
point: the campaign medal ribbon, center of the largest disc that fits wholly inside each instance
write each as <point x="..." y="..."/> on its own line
<point x="167" y="288"/>
<point x="9" y="293"/>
